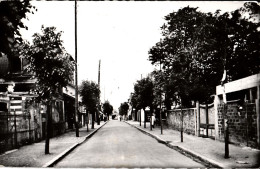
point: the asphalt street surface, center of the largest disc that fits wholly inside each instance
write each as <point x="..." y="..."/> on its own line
<point x="117" y="144"/>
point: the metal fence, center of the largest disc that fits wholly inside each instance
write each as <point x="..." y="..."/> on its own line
<point x="17" y="130"/>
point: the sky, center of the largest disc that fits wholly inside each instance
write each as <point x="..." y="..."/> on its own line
<point x="119" y="34"/>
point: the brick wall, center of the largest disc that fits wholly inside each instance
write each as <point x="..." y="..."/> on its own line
<point x="242" y="125"/>
<point x="174" y="120"/>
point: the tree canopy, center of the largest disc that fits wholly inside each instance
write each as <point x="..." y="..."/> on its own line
<point x="196" y="48"/>
<point x="12" y="14"/>
<point x="123" y="109"/>
<point x="107" y="108"/>
<point x="143" y="93"/>
<point x="133" y="101"/>
<point x="49" y="63"/>
<point x="90" y="92"/>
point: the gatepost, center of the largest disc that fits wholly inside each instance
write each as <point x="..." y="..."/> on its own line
<point x="198" y="118"/>
<point x="258" y="116"/>
<point x="216" y="103"/>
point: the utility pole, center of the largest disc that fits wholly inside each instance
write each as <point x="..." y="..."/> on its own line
<point x="161" y="102"/>
<point x="140" y="114"/>
<point x="99" y="74"/>
<point x="226" y="127"/>
<point x="98" y="119"/>
<point x="76" y="75"/>
<point x="104" y="94"/>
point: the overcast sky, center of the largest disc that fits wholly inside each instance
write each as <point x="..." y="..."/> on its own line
<point x="119" y="34"/>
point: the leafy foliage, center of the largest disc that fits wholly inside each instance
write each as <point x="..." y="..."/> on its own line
<point x="90" y="92"/>
<point x="107" y="108"/>
<point x="143" y="93"/>
<point x="197" y="46"/>
<point x="49" y="63"/>
<point x="11" y="16"/>
<point x="123" y="109"/>
<point x="133" y="101"/>
<point x="162" y="87"/>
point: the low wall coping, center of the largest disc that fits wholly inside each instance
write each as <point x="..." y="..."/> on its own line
<point x="182" y="109"/>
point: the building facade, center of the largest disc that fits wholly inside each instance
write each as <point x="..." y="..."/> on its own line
<point x="23" y="121"/>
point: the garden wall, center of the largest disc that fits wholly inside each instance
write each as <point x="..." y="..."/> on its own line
<point x="174" y="120"/>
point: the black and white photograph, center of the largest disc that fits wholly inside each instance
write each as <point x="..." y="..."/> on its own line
<point x="129" y="84"/>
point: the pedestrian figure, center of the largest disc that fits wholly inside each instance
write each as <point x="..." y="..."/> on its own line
<point x="153" y="120"/>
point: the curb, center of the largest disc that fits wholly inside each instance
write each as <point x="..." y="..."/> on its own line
<point x="172" y="146"/>
<point x="60" y="156"/>
<point x="199" y="156"/>
<point x="67" y="151"/>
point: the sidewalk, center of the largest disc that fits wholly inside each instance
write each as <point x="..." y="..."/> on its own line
<point x="33" y="155"/>
<point x="206" y="149"/>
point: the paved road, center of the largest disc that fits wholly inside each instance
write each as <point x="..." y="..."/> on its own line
<point x="119" y="145"/>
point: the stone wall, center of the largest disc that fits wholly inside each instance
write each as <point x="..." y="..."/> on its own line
<point x="242" y="124"/>
<point x="174" y="120"/>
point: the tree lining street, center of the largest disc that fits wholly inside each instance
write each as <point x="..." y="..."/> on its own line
<point x="119" y="145"/>
<point x="204" y="82"/>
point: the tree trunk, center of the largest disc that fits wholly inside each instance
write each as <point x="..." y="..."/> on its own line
<point x="181" y="125"/>
<point x="144" y="119"/>
<point x="226" y="134"/>
<point x="151" y="120"/>
<point x="135" y="115"/>
<point x="48" y="128"/>
<point x="140" y="117"/>
<point x="161" y="118"/>
<point x="87" y="120"/>
<point x="151" y="114"/>
<point x="207" y="120"/>
<point x="98" y="119"/>
<point x="93" y="120"/>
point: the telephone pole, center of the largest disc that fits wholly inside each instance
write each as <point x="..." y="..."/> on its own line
<point x="99" y="74"/>
<point x="76" y="75"/>
<point x="98" y="119"/>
